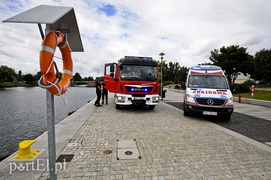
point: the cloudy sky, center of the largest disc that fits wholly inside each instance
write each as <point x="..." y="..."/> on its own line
<point x="185" y="30"/>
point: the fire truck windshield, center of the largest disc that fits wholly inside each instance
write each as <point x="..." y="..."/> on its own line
<point x="138" y="73"/>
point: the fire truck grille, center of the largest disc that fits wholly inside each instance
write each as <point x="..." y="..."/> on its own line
<point x="138" y="89"/>
<point x="138" y="95"/>
<point x="210" y="101"/>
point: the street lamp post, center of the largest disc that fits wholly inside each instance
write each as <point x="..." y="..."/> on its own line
<point x="161" y="72"/>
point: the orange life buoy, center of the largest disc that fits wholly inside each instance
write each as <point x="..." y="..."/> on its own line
<point x="51" y="41"/>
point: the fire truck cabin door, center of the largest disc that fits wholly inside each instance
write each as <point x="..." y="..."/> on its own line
<point x="110" y="77"/>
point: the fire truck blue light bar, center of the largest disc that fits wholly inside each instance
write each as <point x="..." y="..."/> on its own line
<point x="137" y="57"/>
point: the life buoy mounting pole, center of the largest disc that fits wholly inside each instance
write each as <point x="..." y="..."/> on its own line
<point x="48" y="79"/>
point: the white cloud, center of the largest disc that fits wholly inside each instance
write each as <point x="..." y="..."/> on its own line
<point x="186" y="31"/>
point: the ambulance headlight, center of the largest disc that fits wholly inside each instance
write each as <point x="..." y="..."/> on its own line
<point x="230" y="101"/>
<point x="190" y="99"/>
<point x="121" y="98"/>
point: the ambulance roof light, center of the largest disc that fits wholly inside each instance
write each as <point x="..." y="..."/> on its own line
<point x="206" y="67"/>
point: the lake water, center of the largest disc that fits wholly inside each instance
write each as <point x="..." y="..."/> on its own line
<point x="23" y="113"/>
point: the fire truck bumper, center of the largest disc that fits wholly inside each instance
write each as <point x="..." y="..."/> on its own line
<point x="128" y="99"/>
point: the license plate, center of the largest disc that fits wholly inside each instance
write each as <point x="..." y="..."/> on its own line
<point x="139" y="98"/>
<point x="209" y="113"/>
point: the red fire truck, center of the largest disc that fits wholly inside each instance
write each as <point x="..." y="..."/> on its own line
<point x="134" y="81"/>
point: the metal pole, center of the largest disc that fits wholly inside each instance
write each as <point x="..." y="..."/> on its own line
<point x="161" y="72"/>
<point x="161" y="79"/>
<point x="51" y="134"/>
<point x="51" y="128"/>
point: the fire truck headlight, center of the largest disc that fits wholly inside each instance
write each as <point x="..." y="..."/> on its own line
<point x="155" y="99"/>
<point x="190" y="99"/>
<point x="121" y="99"/>
<point x="230" y="101"/>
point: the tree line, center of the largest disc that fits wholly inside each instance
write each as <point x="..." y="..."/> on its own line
<point x="8" y="74"/>
<point x="232" y="59"/>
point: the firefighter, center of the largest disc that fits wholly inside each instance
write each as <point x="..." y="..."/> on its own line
<point x="98" y="92"/>
<point x="104" y="93"/>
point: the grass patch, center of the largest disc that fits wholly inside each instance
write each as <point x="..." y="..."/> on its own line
<point x="12" y="84"/>
<point x="261" y="95"/>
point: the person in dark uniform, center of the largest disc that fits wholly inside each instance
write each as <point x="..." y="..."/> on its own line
<point x="104" y="93"/>
<point x="98" y="92"/>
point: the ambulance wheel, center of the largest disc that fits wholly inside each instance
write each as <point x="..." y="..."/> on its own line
<point x="185" y="112"/>
<point x="117" y="106"/>
<point x="227" y="117"/>
<point x="151" y="107"/>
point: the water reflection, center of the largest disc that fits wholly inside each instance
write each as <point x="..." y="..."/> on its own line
<point x="23" y="113"/>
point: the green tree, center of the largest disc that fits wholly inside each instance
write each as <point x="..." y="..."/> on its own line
<point x="183" y="74"/>
<point x="165" y="67"/>
<point x="233" y="60"/>
<point x="173" y="72"/>
<point x="262" y="66"/>
<point x="7" y="74"/>
<point x="37" y="76"/>
<point x="28" y="78"/>
<point x="77" y="77"/>
<point x="90" y="78"/>
<point x="20" y="75"/>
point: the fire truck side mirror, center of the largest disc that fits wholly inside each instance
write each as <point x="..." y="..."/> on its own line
<point x="112" y="68"/>
<point x="112" y="74"/>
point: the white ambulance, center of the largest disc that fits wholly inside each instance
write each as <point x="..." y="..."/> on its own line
<point x="207" y="92"/>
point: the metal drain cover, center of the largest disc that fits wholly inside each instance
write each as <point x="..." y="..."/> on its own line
<point x="127" y="150"/>
<point x="65" y="158"/>
<point x="128" y="153"/>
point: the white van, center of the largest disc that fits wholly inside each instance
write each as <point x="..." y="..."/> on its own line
<point x="207" y="92"/>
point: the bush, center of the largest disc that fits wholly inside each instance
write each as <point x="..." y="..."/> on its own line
<point x="241" y="88"/>
<point x="167" y="83"/>
<point x="249" y="82"/>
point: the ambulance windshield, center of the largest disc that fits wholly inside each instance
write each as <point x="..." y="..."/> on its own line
<point x="138" y="73"/>
<point x="207" y="81"/>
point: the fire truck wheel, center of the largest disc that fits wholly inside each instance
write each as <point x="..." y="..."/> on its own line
<point x="117" y="106"/>
<point x="151" y="107"/>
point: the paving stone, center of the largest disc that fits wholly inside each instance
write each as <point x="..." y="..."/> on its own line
<point x="172" y="147"/>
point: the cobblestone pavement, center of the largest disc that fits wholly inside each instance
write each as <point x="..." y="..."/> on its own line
<point x="170" y="145"/>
